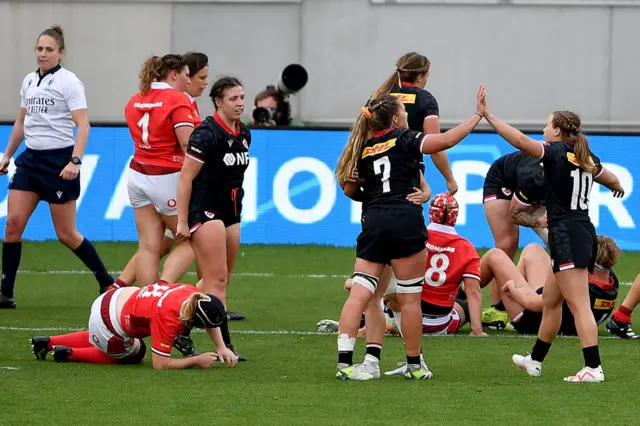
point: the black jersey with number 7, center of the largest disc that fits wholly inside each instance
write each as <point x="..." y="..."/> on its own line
<point x="568" y="185"/>
<point x="389" y="167"/>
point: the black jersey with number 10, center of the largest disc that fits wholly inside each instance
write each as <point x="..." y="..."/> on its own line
<point x="568" y="185"/>
<point x="388" y="167"/>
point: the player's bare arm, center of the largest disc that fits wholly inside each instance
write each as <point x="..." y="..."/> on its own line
<point x="525" y="215"/>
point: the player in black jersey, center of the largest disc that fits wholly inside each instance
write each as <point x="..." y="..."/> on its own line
<point x="569" y="169"/>
<point x="210" y="189"/>
<point x="408" y="83"/>
<point x="387" y="157"/>
<point x="513" y="194"/>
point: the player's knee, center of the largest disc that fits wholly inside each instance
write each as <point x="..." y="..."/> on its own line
<point x="532" y="249"/>
<point x="135" y="358"/>
<point x="496" y="255"/>
<point x="13" y="228"/>
<point x="69" y="237"/>
<point x="507" y="243"/>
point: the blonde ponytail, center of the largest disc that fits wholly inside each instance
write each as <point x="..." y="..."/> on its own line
<point x="188" y="311"/>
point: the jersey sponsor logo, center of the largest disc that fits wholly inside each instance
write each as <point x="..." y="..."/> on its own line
<point x="59" y="194"/>
<point x="236" y="159"/>
<point x="521" y="195"/>
<point x="194" y="149"/>
<point x="604" y="304"/>
<point x="172" y="202"/>
<point x="147" y="105"/>
<point x="573" y="160"/>
<point x="39" y="104"/>
<point x="230" y="142"/>
<point x="379" y="148"/>
<point x="405" y="98"/>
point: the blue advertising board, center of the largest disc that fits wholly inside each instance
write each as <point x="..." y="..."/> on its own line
<point x="292" y="197"/>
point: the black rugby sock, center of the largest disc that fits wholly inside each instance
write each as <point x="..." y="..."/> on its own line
<point x="540" y="350"/>
<point x="11" y="253"/>
<point x="224" y="328"/>
<point x="591" y="356"/>
<point x="89" y="256"/>
<point x="499" y="306"/>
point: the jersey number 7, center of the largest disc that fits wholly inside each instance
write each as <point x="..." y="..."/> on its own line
<point x="383" y="166"/>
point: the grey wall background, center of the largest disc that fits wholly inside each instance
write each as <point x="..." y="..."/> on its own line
<point x="535" y="56"/>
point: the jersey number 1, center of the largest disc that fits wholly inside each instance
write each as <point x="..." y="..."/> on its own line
<point x="144" y="124"/>
<point x="581" y="188"/>
<point x="383" y="166"/>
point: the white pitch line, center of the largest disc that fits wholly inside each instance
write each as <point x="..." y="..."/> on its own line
<point x="296" y="333"/>
<point x="9" y="368"/>
<point x="235" y="274"/>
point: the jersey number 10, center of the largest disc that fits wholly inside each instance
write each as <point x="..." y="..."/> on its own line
<point x="581" y="189"/>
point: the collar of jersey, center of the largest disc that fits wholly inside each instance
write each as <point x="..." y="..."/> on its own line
<point x="442" y="228"/>
<point x="381" y="133"/>
<point x="51" y="71"/>
<point x="226" y="128"/>
<point x="160" y="85"/>
<point x="604" y="286"/>
<point x="405" y="84"/>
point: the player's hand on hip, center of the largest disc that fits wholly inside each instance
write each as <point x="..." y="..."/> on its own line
<point x="226" y="356"/>
<point x="70" y="171"/>
<point x="4" y="165"/>
<point x="416" y="197"/>
<point x="206" y="360"/>
<point x="182" y="232"/>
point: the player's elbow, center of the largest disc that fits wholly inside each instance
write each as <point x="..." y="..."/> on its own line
<point x="161" y="362"/>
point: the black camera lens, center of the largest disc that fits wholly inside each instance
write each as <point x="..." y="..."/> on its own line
<point x="262" y="115"/>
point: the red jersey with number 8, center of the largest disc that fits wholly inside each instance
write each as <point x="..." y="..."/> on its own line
<point x="152" y="120"/>
<point x="450" y="259"/>
<point x="153" y="311"/>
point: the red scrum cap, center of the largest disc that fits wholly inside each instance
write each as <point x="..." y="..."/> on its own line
<point x="443" y="210"/>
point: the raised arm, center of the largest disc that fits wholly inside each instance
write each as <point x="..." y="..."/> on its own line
<point x="609" y="180"/>
<point x="439" y="142"/>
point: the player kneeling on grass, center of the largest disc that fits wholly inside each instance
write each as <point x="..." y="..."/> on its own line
<point x="523" y="285"/>
<point x="121" y="318"/>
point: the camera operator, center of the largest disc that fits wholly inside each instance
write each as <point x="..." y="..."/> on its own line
<point x="271" y="109"/>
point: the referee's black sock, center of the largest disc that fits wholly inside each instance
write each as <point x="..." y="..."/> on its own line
<point x="591" y="356"/>
<point x="89" y="256"/>
<point x="11" y="253"/>
<point x="540" y="350"/>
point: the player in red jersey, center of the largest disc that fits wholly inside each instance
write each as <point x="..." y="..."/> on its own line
<point x="160" y="120"/>
<point x="121" y="318"/>
<point x="198" y="64"/>
<point x="451" y="260"/>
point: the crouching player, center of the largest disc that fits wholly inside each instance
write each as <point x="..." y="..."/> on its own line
<point x="523" y="286"/>
<point x="451" y="259"/>
<point x="121" y="318"/>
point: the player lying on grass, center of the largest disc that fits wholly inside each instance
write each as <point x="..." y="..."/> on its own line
<point x="523" y="285"/>
<point x="121" y="318"/>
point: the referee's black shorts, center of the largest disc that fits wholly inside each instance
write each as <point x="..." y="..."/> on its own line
<point x="39" y="171"/>
<point x="573" y="244"/>
<point x="391" y="233"/>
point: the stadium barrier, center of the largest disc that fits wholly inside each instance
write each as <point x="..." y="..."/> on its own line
<point x="292" y="198"/>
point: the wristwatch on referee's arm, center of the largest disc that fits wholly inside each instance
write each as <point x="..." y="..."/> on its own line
<point x="76" y="161"/>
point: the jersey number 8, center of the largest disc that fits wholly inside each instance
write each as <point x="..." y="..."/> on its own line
<point x="436" y="270"/>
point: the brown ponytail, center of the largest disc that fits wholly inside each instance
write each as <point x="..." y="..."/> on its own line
<point x="569" y="124"/>
<point x="188" y="311"/>
<point x="408" y="68"/>
<point x="157" y="68"/>
<point x="377" y="116"/>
